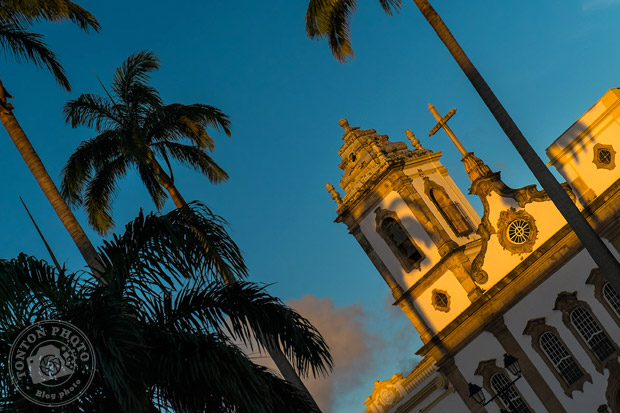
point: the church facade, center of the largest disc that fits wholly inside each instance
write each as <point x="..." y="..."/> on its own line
<point x="512" y="311"/>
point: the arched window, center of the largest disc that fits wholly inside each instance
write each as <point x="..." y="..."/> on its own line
<point x="612" y="297"/>
<point x="577" y="316"/>
<point x="605" y="293"/>
<point x="560" y="357"/>
<point x="399" y="241"/>
<point x="449" y="210"/>
<point x="549" y="345"/>
<point x="592" y="333"/>
<point x="496" y="382"/>
<point x="508" y="394"/>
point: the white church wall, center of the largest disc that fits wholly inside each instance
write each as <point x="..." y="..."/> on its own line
<point x="458" y="302"/>
<point x="486" y="347"/>
<point x="540" y="303"/>
<point x="442" y="403"/>
<point x="393" y="202"/>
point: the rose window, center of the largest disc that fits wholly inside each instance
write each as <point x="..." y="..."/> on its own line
<point x="519" y="231"/>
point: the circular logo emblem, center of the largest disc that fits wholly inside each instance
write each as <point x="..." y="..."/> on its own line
<point x="52" y="363"/>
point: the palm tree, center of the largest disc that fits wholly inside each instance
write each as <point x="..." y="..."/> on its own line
<point x="331" y="19"/>
<point x="162" y="324"/>
<point x="15" y="17"/>
<point x="136" y="129"/>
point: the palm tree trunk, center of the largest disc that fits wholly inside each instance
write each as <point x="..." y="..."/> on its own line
<point x="37" y="168"/>
<point x="289" y="373"/>
<point x="278" y="357"/>
<point x="586" y="234"/>
<point x="168" y="184"/>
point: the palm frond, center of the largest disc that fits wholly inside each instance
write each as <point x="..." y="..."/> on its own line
<point x="332" y="19"/>
<point x="134" y="71"/>
<point x="391" y="7"/>
<point x="100" y="192"/>
<point x="206" y="373"/>
<point x="30" y="47"/>
<point x="193" y="157"/>
<point x="158" y="195"/>
<point x="207" y="232"/>
<point x="204" y="115"/>
<point x="157" y="323"/>
<point x="185" y="243"/>
<point x="176" y="121"/>
<point x="111" y="324"/>
<point x="246" y="312"/>
<point x="30" y="11"/>
<point x="91" y="110"/>
<point x="91" y="155"/>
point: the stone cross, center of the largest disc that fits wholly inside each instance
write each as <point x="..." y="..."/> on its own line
<point x="443" y="123"/>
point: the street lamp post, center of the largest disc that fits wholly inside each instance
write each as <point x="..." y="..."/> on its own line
<point x="512" y="365"/>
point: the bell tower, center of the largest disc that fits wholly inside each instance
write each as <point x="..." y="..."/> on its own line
<point x="413" y="222"/>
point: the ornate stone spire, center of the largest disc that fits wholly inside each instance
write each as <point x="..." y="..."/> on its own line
<point x="415" y="142"/>
<point x="366" y="155"/>
<point x="345" y="125"/>
<point x="335" y="195"/>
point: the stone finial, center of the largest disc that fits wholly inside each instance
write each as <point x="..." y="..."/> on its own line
<point x="415" y="142"/>
<point x="335" y="195"/>
<point x="345" y="124"/>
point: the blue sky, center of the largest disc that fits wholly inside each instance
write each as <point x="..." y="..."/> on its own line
<point x="548" y="62"/>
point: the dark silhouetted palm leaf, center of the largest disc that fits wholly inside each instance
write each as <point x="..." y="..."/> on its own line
<point x="162" y="325"/>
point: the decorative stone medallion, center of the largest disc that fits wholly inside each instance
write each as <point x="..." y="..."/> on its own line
<point x="388" y="396"/>
<point x="516" y="231"/>
<point x="440" y="300"/>
<point x="604" y="156"/>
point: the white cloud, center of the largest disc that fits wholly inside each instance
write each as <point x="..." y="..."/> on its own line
<point x="365" y="345"/>
<point x="352" y="347"/>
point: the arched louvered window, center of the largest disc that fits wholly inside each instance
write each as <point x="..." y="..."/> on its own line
<point x="612" y="297"/>
<point x="401" y="240"/>
<point x="397" y="238"/>
<point x="509" y="395"/>
<point x="451" y="211"/>
<point x="560" y="357"/>
<point x="592" y="333"/>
